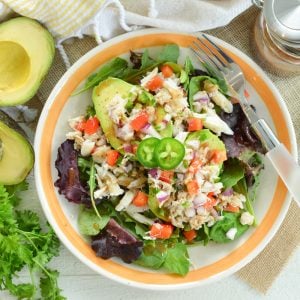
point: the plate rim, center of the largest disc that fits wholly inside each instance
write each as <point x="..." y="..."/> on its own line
<point x="60" y="233"/>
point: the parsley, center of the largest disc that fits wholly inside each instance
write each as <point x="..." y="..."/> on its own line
<point x="23" y="244"/>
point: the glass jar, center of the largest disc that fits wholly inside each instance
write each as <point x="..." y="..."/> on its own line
<point x="276" y="35"/>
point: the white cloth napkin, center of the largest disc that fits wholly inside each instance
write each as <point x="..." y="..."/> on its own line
<point x="112" y="17"/>
<point x="179" y="15"/>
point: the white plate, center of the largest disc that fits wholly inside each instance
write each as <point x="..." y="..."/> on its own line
<point x="208" y="263"/>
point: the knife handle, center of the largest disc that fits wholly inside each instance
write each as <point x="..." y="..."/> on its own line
<point x="287" y="168"/>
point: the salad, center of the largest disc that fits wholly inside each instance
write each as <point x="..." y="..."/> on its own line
<point x="162" y="159"/>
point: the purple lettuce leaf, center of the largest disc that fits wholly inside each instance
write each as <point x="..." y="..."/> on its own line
<point x="244" y="138"/>
<point x="113" y="240"/>
<point x="68" y="182"/>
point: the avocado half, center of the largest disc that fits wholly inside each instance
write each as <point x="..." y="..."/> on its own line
<point x="103" y="93"/>
<point x="26" y="54"/>
<point x="16" y="156"/>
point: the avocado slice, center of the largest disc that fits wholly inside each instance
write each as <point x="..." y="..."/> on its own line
<point x="153" y="204"/>
<point x="26" y="54"/>
<point x="16" y="156"/>
<point x="207" y="137"/>
<point x="103" y="93"/>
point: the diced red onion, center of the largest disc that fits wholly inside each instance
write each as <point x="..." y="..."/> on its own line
<point x="128" y="148"/>
<point x="214" y="213"/>
<point x="228" y="192"/>
<point x="151" y="131"/>
<point x="146" y="127"/>
<point x="165" y="122"/>
<point x="180" y="176"/>
<point x="201" y="97"/>
<point x="199" y="200"/>
<point x="162" y="196"/>
<point x="153" y="173"/>
<point x="181" y="136"/>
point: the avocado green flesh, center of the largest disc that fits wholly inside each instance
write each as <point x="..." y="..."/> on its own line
<point x="17" y="157"/>
<point x="102" y="97"/>
<point x="159" y="116"/>
<point x="205" y="136"/>
<point x="153" y="204"/>
<point x="26" y="54"/>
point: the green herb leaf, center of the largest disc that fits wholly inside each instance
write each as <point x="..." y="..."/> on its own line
<point x="23" y="244"/>
<point x="90" y="111"/>
<point x="114" y="68"/>
<point x="89" y="223"/>
<point x="49" y="286"/>
<point x="92" y="186"/>
<point x="233" y="172"/>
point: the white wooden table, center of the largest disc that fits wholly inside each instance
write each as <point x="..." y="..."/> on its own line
<point x="79" y="282"/>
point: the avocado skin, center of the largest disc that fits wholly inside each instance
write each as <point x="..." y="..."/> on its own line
<point x="17" y="157"/>
<point x="102" y="96"/>
<point x="5" y="118"/>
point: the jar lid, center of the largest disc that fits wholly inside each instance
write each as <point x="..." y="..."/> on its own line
<point x="283" y="19"/>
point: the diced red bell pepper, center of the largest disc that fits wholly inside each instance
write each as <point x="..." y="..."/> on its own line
<point x="167" y="71"/>
<point x="192" y="187"/>
<point x="194" y="124"/>
<point x="166" y="176"/>
<point x="91" y="125"/>
<point x="155" y="83"/>
<point x="161" y="231"/>
<point x="140" y="199"/>
<point x="140" y="121"/>
<point x="112" y="157"/>
<point x="190" y="235"/>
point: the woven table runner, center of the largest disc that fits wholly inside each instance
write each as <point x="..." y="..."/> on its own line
<point x="263" y="270"/>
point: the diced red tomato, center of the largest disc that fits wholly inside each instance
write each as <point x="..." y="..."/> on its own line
<point x="166" y="70"/>
<point x="195" y="165"/>
<point x="166" y="176"/>
<point x="218" y="156"/>
<point x="161" y="231"/>
<point x="80" y="126"/>
<point x="155" y="83"/>
<point x="190" y="235"/>
<point x="140" y="121"/>
<point x="140" y="199"/>
<point x="194" y="124"/>
<point x="231" y="208"/>
<point x="112" y="157"/>
<point x="210" y="203"/>
<point x="91" y="125"/>
<point x="192" y="187"/>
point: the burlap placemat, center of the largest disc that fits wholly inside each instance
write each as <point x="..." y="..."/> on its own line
<point x="262" y="271"/>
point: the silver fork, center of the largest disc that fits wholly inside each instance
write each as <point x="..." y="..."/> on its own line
<point x="215" y="60"/>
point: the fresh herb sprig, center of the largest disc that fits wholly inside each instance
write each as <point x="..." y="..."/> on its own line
<point x="23" y="244"/>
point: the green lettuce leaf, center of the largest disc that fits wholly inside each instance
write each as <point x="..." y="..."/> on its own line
<point x="89" y="223"/>
<point x="233" y="172"/>
<point x="218" y="230"/>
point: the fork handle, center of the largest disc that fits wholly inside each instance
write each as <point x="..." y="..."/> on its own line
<point x="287" y="169"/>
<point x="283" y="162"/>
